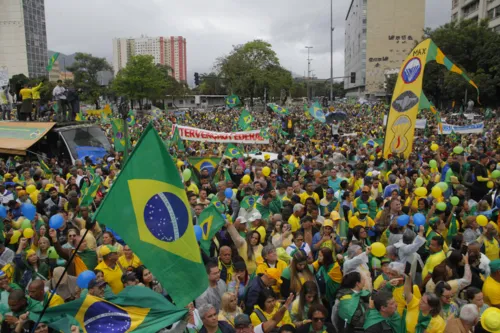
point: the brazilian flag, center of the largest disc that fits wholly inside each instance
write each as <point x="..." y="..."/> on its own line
<point x="118" y="135"/>
<point x="176" y="139"/>
<point x="202" y="163"/>
<point x="233" y="152"/>
<point x="245" y="120"/>
<point x="44" y="166"/>
<point x="264" y="133"/>
<point x="249" y="202"/>
<point x="317" y="112"/>
<point x="89" y="192"/>
<point x="136" y="309"/>
<point x="52" y="61"/>
<point x="232" y="101"/>
<point x="278" y="109"/>
<point x="79" y="116"/>
<point x="154" y="218"/>
<point x="131" y="118"/>
<point x="210" y="222"/>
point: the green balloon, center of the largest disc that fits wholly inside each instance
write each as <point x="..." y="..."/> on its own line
<point x="433" y="163"/>
<point x="186" y="174"/>
<point x="25" y="224"/>
<point x="454" y="201"/>
<point x="458" y="150"/>
<point x="52" y="253"/>
<point x="443" y="186"/>
<point x="419" y="182"/>
<point x="441" y="206"/>
<point x="495" y="174"/>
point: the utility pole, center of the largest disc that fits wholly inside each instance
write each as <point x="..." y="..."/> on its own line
<point x="331" y="51"/>
<point x="308" y="71"/>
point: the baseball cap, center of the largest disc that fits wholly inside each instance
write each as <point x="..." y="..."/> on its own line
<point x="495" y="265"/>
<point x="242" y="321"/>
<point x="334" y="216"/>
<point x="273" y="273"/>
<point x="363" y="209"/>
<point x="31" y="252"/>
<point x="21" y="193"/>
<point x="7" y="176"/>
<point x="330" y="191"/>
<point x="255" y="216"/>
<point x="95" y="283"/>
<point x="107" y="249"/>
<point x="328" y="223"/>
<point x="490" y="320"/>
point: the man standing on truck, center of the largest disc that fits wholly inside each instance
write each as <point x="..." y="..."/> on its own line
<point x="59" y="94"/>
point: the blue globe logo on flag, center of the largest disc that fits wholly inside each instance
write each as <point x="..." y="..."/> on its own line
<point x="106" y="317"/>
<point x="119" y="135"/>
<point x="207" y="166"/>
<point x="166" y="216"/>
<point x="234" y="151"/>
<point x="251" y="201"/>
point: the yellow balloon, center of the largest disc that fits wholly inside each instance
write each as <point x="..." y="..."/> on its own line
<point x="17" y="224"/>
<point x="245" y="179"/>
<point x="378" y="249"/>
<point x="28" y="233"/>
<point x="490" y="184"/>
<point x="436" y="192"/>
<point x="482" y="220"/>
<point x="421" y="191"/>
<point x="434" y="147"/>
<point x="30" y="189"/>
<point x="266" y="171"/>
<point x="15" y="237"/>
<point x="34" y="197"/>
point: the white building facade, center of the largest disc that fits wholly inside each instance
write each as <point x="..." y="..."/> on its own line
<point x="477" y="10"/>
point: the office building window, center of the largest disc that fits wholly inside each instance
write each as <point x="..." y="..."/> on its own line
<point x="491" y="13"/>
<point x="497" y="11"/>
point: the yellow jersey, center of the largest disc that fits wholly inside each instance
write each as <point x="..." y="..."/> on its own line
<point x="294" y="222"/>
<point x="490" y="291"/>
<point x="112" y="276"/>
<point x="304" y="196"/>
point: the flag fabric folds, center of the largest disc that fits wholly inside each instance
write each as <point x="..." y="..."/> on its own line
<point x="52" y="60"/>
<point x="131" y="118"/>
<point x="233" y="152"/>
<point x="232" y="101"/>
<point x="317" y="113"/>
<point x="118" y="135"/>
<point x="155" y="218"/>
<point x="208" y="163"/>
<point x="45" y="168"/>
<point x="136" y="309"/>
<point x="245" y="120"/>
<point x="264" y="132"/>
<point x="210" y="221"/>
<point x="278" y="109"/>
<point x="89" y="192"/>
<point x="176" y="139"/>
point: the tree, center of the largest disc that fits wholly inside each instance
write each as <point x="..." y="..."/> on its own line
<point x="17" y="82"/>
<point x="473" y="47"/>
<point x="141" y="79"/>
<point x="250" y="68"/>
<point x="390" y="83"/>
<point x="212" y="84"/>
<point x="85" y="69"/>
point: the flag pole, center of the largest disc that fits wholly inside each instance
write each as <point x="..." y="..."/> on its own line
<point x="53" y="292"/>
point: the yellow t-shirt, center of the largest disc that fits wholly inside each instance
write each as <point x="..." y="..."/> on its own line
<point x="112" y="276"/>
<point x="437" y="324"/>
<point x="432" y="261"/>
<point x="26" y="93"/>
<point x="354" y="221"/>
<point x="490" y="291"/>
<point x="193" y="188"/>
<point x="125" y="263"/>
<point x="304" y="196"/>
<point x="378" y="281"/>
<point x="294" y="222"/>
<point x="491" y="249"/>
<point x="256" y="321"/>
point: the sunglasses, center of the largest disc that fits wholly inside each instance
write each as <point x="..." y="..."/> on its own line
<point x="318" y="319"/>
<point x="364" y="192"/>
<point x="71" y="235"/>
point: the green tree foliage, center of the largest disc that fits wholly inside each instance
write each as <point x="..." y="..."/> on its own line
<point x="85" y="69"/>
<point x="473" y="47"/>
<point x="250" y="68"/>
<point x="17" y="82"/>
<point x="212" y="84"/>
<point x="142" y="79"/>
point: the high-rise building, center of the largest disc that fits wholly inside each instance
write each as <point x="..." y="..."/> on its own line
<point x="169" y="51"/>
<point x="378" y="37"/>
<point x="23" y="37"/>
<point x="477" y="10"/>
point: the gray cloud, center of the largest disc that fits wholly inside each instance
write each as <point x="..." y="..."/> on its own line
<point x="213" y="27"/>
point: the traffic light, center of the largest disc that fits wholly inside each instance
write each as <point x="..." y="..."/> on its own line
<point x="353" y="77"/>
<point x="196" y="79"/>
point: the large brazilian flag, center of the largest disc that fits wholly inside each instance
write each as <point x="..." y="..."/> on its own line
<point x="147" y="206"/>
<point x="136" y="309"/>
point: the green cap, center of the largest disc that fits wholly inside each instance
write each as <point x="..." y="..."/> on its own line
<point x="495" y="265"/>
<point x="363" y="209"/>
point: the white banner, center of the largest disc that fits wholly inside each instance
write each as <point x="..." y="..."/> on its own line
<point x="467" y="129"/>
<point x="198" y="134"/>
<point x="4" y="77"/>
<point x="420" y="124"/>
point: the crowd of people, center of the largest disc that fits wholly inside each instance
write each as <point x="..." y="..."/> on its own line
<point x="323" y="233"/>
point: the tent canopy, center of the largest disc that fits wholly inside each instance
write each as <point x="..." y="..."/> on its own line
<point x="16" y="137"/>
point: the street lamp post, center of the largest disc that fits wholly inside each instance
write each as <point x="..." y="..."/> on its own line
<point x="331" y="51"/>
<point x="308" y="71"/>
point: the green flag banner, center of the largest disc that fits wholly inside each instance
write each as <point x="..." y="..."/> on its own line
<point x="201" y="163"/>
<point x="118" y="134"/>
<point x="317" y="112"/>
<point x="233" y="152"/>
<point x="44" y="166"/>
<point x="136" y="309"/>
<point x="232" y="101"/>
<point x="52" y="60"/>
<point x="210" y="222"/>
<point x="278" y="109"/>
<point x="155" y="219"/>
<point x="245" y="120"/>
<point x="89" y="192"/>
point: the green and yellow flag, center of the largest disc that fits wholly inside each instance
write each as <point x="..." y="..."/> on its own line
<point x="89" y="192"/>
<point x="131" y="118"/>
<point x="233" y="152"/>
<point x="408" y="96"/>
<point x="210" y="222"/>
<point x="52" y="60"/>
<point x="118" y="135"/>
<point x="155" y="219"/>
<point x="232" y="101"/>
<point x="264" y="133"/>
<point x="136" y="309"/>
<point x="202" y="163"/>
<point x="45" y="168"/>
<point x="316" y="111"/>
<point x="245" y="120"/>
<point x="278" y="109"/>
<point x="176" y="139"/>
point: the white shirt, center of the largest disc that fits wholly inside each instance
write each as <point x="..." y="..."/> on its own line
<point x="5" y="197"/>
<point x="58" y="93"/>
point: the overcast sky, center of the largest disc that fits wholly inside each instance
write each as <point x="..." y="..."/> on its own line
<point x="213" y="27"/>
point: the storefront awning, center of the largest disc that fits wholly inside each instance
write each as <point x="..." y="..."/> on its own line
<point x="16" y="137"/>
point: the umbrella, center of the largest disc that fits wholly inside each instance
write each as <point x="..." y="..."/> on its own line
<point x="337" y="115"/>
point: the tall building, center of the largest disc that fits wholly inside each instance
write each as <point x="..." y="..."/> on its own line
<point x="23" y="37"/>
<point x="477" y="10"/>
<point x="378" y="37"/>
<point x="169" y="51"/>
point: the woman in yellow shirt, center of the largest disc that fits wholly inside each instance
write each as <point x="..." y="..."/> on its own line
<point x="27" y="105"/>
<point x="266" y="308"/>
<point x="129" y="261"/>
